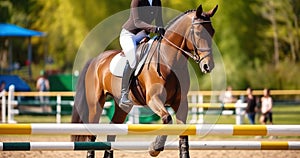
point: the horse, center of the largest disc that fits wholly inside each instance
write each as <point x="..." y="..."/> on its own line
<point x="163" y="80"/>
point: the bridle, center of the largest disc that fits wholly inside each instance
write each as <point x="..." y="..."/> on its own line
<point x="195" y="56"/>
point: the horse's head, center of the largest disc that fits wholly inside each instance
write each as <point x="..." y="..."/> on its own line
<point x="201" y="35"/>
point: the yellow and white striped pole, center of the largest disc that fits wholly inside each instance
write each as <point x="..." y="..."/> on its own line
<point x="151" y="129"/>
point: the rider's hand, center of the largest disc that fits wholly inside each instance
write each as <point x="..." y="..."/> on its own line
<point x="160" y="31"/>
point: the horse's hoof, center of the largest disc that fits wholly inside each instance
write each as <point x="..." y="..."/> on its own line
<point x="185" y="156"/>
<point x="154" y="153"/>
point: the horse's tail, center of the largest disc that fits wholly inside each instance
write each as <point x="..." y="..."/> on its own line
<point x="80" y="109"/>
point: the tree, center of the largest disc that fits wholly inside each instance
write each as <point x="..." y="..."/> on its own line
<point x="5" y="11"/>
<point x="284" y="27"/>
<point x="13" y="11"/>
<point x="251" y="35"/>
<point x="64" y="31"/>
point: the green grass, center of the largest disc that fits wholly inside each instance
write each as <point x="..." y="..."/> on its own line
<point x="48" y="119"/>
<point x="41" y="119"/>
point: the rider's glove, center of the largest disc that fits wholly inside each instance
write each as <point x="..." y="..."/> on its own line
<point x="160" y="31"/>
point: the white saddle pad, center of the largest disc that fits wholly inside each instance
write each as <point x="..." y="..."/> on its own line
<point x="118" y="63"/>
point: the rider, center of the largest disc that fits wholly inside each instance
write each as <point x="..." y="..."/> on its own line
<point x="137" y="27"/>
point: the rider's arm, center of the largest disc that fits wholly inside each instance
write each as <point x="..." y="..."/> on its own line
<point x="136" y="19"/>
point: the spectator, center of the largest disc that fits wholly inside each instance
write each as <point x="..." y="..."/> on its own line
<point x="227" y="97"/>
<point x="266" y="107"/>
<point x="251" y="106"/>
<point x="43" y="85"/>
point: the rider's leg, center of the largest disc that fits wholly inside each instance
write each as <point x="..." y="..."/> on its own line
<point x="125" y="103"/>
<point x="128" y="44"/>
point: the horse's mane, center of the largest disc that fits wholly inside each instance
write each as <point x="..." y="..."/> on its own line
<point x="176" y="18"/>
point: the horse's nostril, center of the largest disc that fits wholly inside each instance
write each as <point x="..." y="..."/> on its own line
<point x="206" y="67"/>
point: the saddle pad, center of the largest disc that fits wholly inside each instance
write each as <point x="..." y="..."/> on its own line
<point x="117" y="65"/>
<point x="118" y="62"/>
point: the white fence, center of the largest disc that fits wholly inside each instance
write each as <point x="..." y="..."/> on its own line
<point x="196" y="106"/>
<point x="11" y="103"/>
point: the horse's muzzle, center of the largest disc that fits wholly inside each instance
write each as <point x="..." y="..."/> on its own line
<point x="206" y="68"/>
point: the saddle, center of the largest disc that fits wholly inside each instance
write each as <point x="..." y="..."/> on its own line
<point x="118" y="62"/>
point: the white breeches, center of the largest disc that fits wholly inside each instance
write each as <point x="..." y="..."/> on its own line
<point x="128" y="42"/>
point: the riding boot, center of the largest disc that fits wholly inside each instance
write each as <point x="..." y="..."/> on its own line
<point x="125" y="103"/>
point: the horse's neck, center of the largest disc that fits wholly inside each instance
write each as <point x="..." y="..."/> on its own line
<point x="170" y="54"/>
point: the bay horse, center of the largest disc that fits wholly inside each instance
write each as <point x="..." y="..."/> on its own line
<point x="163" y="81"/>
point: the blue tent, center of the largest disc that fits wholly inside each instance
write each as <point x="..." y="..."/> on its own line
<point x="9" y="30"/>
<point x="20" y="84"/>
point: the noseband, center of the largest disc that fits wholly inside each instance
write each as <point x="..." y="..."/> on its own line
<point x="195" y="56"/>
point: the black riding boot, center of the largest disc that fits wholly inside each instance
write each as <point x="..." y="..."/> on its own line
<point x="125" y="103"/>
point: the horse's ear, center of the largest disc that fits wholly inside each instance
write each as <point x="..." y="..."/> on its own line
<point x="213" y="11"/>
<point x="199" y="11"/>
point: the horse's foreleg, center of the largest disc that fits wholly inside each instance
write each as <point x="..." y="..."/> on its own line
<point x="184" y="147"/>
<point x="110" y="153"/>
<point x="158" y="145"/>
<point x="95" y="111"/>
<point x="118" y="118"/>
<point x="94" y="118"/>
<point x="91" y="153"/>
<point x="181" y="116"/>
<point x="157" y="97"/>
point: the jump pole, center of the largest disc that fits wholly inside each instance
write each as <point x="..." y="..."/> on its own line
<point x="194" y="145"/>
<point x="150" y="129"/>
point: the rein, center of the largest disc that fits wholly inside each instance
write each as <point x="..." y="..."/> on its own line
<point x="195" y="56"/>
